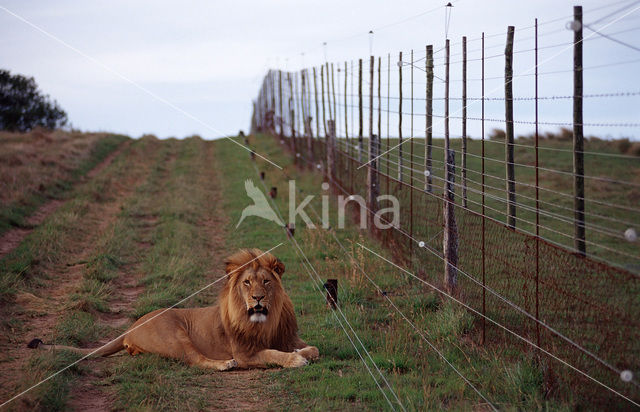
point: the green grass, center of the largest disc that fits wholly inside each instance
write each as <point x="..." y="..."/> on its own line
<point x="507" y="371"/>
<point x="339" y="380"/>
<point x="164" y="235"/>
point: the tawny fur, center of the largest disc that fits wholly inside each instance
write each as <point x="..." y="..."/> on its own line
<point x="223" y="336"/>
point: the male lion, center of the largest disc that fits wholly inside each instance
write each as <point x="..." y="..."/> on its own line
<point x="252" y="326"/>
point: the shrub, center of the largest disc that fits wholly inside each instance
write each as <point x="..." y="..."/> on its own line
<point x="23" y="107"/>
<point x="497" y="134"/>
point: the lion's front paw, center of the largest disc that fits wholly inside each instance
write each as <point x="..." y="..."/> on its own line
<point x="295" y="361"/>
<point x="226" y="365"/>
<point x="309" y="352"/>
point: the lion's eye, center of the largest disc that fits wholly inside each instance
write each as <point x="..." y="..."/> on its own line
<point x="266" y="281"/>
<point x="246" y="282"/>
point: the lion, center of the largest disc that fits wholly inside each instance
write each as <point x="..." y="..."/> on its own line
<point x="252" y="326"/>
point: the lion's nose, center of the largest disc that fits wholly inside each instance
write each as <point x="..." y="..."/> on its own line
<point x="258" y="298"/>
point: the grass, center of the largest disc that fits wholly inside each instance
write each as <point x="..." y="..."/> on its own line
<point x="39" y="166"/>
<point x="339" y="380"/>
<point x="170" y="233"/>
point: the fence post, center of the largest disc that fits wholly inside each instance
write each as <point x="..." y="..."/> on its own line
<point x="411" y="167"/>
<point x="347" y="151"/>
<point x="333" y="91"/>
<point x="508" y="104"/>
<point x="273" y="97"/>
<point x="324" y="116"/>
<point x="307" y="125"/>
<point x="292" y="118"/>
<point x="303" y="107"/>
<point x="360" y="131"/>
<point x="281" y="114"/>
<point x="373" y="184"/>
<point x="346" y="108"/>
<point x="537" y="194"/>
<point x="429" y="143"/>
<point x="578" y="137"/>
<point x="400" y="119"/>
<point x="331" y="138"/>
<point x="484" y="323"/>
<point x="450" y="235"/>
<point x="315" y="92"/>
<point x="463" y="170"/>
<point x="379" y="120"/>
<point x="372" y="169"/>
<point x="329" y="110"/>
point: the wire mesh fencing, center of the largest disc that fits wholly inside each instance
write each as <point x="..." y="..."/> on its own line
<point x="541" y="244"/>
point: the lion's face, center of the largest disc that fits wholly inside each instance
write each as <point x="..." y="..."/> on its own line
<point x="257" y="288"/>
<point x="254" y="294"/>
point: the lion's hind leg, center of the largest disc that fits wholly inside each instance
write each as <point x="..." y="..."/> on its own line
<point x="193" y="356"/>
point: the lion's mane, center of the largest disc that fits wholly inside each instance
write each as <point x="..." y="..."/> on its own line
<point x="280" y="330"/>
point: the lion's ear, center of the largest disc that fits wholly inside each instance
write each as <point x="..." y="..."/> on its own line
<point x="278" y="267"/>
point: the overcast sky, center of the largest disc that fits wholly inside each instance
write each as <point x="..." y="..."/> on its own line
<point x="207" y="58"/>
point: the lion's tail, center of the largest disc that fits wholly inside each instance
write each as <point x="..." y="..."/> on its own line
<point x="106" y="350"/>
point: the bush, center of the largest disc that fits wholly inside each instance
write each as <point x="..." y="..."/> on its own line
<point x="623" y="145"/>
<point x="497" y="134"/>
<point x="634" y="149"/>
<point x="23" y="107"/>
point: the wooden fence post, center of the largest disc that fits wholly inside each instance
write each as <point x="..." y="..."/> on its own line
<point x="324" y="116"/>
<point x="482" y="247"/>
<point x="578" y="137"/>
<point x="315" y="92"/>
<point x="347" y="150"/>
<point x="307" y="125"/>
<point x="463" y="170"/>
<point x="450" y="234"/>
<point x="331" y="141"/>
<point x="372" y="169"/>
<point x="379" y="99"/>
<point x="400" y="119"/>
<point x="333" y="91"/>
<point x="346" y="108"/>
<point x="281" y="115"/>
<point x="429" y="143"/>
<point x="508" y="103"/>
<point x="360" y="131"/>
<point x="373" y="184"/>
<point x="292" y="117"/>
<point x="329" y="106"/>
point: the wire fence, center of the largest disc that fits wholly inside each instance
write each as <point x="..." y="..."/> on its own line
<point x="535" y="234"/>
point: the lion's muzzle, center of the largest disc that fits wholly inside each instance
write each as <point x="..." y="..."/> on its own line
<point x="258" y="313"/>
